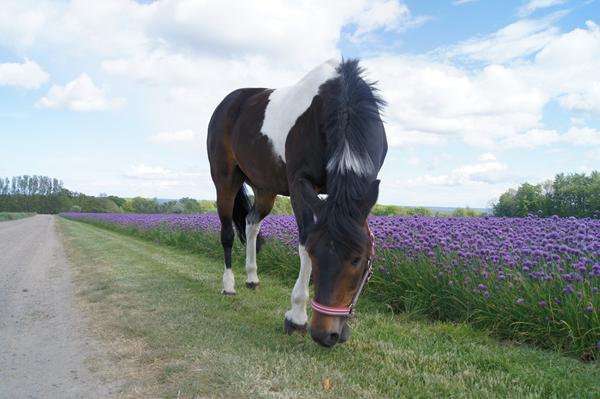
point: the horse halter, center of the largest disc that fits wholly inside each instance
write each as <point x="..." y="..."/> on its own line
<point x="348" y="311"/>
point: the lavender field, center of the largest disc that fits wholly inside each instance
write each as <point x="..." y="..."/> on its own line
<point x="531" y="279"/>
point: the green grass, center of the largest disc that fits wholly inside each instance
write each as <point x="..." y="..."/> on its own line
<point x="416" y="286"/>
<point x="171" y="333"/>
<point x="4" y="216"/>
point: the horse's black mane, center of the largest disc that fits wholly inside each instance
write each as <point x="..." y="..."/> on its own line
<point x="352" y="107"/>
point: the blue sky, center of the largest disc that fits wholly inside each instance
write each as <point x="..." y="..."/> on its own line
<point x="115" y="96"/>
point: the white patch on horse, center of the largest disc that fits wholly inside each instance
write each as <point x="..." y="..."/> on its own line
<point x="288" y="103"/>
<point x="297" y="314"/>
<point x="344" y="160"/>
<point x="228" y="282"/>
<point x="251" y="234"/>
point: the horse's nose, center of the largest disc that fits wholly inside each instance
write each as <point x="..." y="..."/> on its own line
<point x="325" y="338"/>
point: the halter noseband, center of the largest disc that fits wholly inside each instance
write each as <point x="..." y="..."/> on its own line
<point x="348" y="311"/>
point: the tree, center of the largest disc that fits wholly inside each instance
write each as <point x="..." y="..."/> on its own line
<point x="117" y="200"/>
<point x="529" y="199"/>
<point x="567" y="195"/>
<point x="207" y="206"/>
<point x="190" y="205"/>
<point x="506" y="204"/>
<point x="141" y="205"/>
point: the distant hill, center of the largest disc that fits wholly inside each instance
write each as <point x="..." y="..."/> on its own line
<point x="444" y="209"/>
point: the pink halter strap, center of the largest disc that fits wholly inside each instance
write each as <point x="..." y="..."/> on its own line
<point x="349" y="310"/>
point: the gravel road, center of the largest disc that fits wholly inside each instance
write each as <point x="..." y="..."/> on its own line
<point x="42" y="351"/>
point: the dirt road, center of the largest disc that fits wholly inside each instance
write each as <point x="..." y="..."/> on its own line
<point x="42" y="352"/>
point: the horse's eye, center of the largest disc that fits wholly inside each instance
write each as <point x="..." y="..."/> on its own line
<point x="355" y="261"/>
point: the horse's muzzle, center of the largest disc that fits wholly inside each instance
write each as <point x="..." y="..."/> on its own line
<point x="328" y="337"/>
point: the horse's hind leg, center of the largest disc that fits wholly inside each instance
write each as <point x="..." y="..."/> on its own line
<point x="226" y="194"/>
<point x="263" y="203"/>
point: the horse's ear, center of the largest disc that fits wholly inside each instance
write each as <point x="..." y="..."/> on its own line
<point x="370" y="199"/>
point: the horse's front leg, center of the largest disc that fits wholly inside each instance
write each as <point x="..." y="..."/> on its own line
<point x="296" y="318"/>
<point x="306" y="204"/>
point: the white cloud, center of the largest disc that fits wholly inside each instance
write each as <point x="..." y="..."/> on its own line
<point x="80" y="95"/>
<point x="281" y="29"/>
<point x="27" y="75"/>
<point x="413" y="160"/>
<point x="22" y="21"/>
<point x="158" y="178"/>
<point x="567" y="67"/>
<point x="438" y="160"/>
<point x="583" y="101"/>
<point x="142" y="171"/>
<point x="577" y="120"/>
<point x="180" y="136"/>
<point x="390" y="15"/>
<point x="531" y="138"/>
<point x="533" y="5"/>
<point x="594" y="155"/>
<point x="487" y="157"/>
<point x="513" y="41"/>
<point x="430" y="101"/>
<point x="487" y="170"/>
<point x="582" y="136"/>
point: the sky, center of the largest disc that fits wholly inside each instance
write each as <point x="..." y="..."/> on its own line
<point x="114" y="96"/>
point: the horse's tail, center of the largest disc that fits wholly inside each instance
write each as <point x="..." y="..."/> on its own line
<point x="241" y="208"/>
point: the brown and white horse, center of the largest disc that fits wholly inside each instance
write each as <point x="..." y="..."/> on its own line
<point x="323" y="135"/>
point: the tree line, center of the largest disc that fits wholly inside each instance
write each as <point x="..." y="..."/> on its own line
<point x="567" y="195"/>
<point x="42" y="194"/>
<point x="30" y="185"/>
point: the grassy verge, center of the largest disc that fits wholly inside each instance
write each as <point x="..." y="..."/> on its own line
<point x="172" y="334"/>
<point x="525" y="310"/>
<point x="4" y="216"/>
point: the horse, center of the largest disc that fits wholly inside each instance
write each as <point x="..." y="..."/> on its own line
<point x="322" y="135"/>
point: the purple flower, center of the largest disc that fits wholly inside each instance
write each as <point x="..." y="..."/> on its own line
<point x="568" y="289"/>
<point x="520" y="301"/>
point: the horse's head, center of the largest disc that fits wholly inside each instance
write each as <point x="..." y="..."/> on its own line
<point x="340" y="250"/>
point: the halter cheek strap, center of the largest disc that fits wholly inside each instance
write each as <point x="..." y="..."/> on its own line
<point x="348" y="311"/>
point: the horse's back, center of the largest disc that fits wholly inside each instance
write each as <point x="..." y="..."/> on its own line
<point x="226" y="114"/>
<point x="235" y="140"/>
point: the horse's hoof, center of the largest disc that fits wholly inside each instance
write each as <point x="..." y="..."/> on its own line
<point x="253" y="285"/>
<point x="228" y="293"/>
<point x="290" y="327"/>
